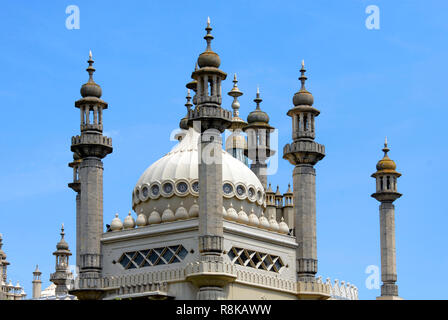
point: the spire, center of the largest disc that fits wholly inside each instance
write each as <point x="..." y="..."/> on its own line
<point x="90" y="69"/>
<point x="62" y="244"/>
<point x="303" y="78"/>
<point x="303" y="96"/>
<point x="188" y="104"/>
<point x="258" y="115"/>
<point x="209" y="58"/>
<point x="183" y="124"/>
<point x="62" y="232"/>
<point x="208" y="37"/>
<point x="257" y="99"/>
<point x="91" y="88"/>
<point x="385" y="149"/>
<point x="235" y="93"/>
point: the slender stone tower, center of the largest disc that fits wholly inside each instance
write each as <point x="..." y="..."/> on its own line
<point x="288" y="207"/>
<point x="386" y="192"/>
<point x="236" y="143"/>
<point x="183" y="124"/>
<point x="304" y="153"/>
<point x="37" y="283"/>
<point x="75" y="185"/>
<point x="271" y="207"/>
<point x="210" y="119"/>
<point x="91" y="146"/>
<point x="258" y="133"/>
<point x="62" y="277"/>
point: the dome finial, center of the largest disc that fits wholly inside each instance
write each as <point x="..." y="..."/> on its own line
<point x="257" y="99"/>
<point x="303" y="96"/>
<point x="90" y="69"/>
<point x="385" y="149"/>
<point x="235" y="93"/>
<point x="62" y="231"/>
<point x="91" y="89"/>
<point x="208" y="37"/>
<point x="188" y="104"/>
<point x="303" y="78"/>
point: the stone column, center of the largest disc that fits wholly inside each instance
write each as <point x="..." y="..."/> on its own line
<point x="78" y="229"/>
<point x="210" y="191"/>
<point x="304" y="181"/>
<point x="91" y="216"/>
<point x="260" y="168"/>
<point x="388" y="252"/>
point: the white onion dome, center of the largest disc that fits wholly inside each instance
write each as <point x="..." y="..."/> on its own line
<point x="264" y="223"/>
<point x="242" y="217"/>
<point x="129" y="222"/>
<point x="141" y="219"/>
<point x="194" y="210"/>
<point x="174" y="178"/>
<point x="167" y="215"/>
<point x="116" y="223"/>
<point x="181" y="213"/>
<point x="283" y="227"/>
<point x="231" y="213"/>
<point x="253" y="219"/>
<point x="273" y="225"/>
<point x="154" y="217"/>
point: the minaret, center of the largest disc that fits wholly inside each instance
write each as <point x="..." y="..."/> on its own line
<point x="278" y="204"/>
<point x="92" y="147"/>
<point x="271" y="207"/>
<point x="75" y="185"/>
<point x="62" y="276"/>
<point x="386" y="192"/>
<point x="304" y="153"/>
<point x="210" y="119"/>
<point x="236" y="143"/>
<point x="258" y="133"/>
<point x="37" y="283"/>
<point x="288" y="207"/>
<point x="184" y="121"/>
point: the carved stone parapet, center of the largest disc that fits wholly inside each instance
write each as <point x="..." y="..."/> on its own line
<point x="304" y="152"/>
<point x="92" y="145"/>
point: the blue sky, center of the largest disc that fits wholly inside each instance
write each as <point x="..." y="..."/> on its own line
<point x="366" y="83"/>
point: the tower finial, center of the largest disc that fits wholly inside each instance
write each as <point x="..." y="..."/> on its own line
<point x="257" y="99"/>
<point x="302" y="77"/>
<point x="235" y="93"/>
<point x="386" y="148"/>
<point x="188" y="104"/>
<point x="208" y="37"/>
<point x="90" y="69"/>
<point x="62" y="231"/>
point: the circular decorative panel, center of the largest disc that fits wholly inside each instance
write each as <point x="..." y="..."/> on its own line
<point x="227" y="188"/>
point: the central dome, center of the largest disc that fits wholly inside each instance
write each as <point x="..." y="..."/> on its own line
<point x="172" y="181"/>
